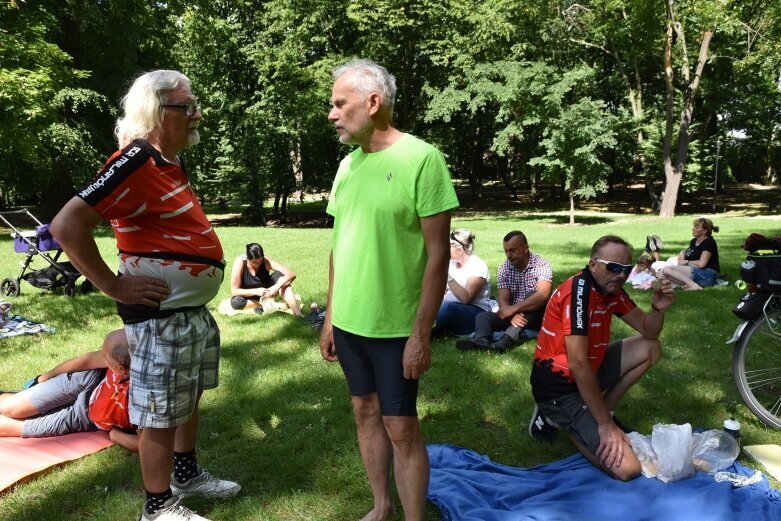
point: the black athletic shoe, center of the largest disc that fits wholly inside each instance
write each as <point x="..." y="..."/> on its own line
<point x="472" y="344"/>
<point x="541" y="428"/>
<point x="258" y="310"/>
<point x="503" y="345"/>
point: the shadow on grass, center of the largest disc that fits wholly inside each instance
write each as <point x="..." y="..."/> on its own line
<point x="536" y="218"/>
<point x="281" y="423"/>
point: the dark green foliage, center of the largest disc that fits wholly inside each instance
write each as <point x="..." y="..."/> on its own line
<point x="569" y="95"/>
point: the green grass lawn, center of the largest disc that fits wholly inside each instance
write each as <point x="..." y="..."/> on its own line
<point x="280" y="423"/>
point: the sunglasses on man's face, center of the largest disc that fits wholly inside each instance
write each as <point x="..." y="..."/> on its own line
<point x="616" y="267"/>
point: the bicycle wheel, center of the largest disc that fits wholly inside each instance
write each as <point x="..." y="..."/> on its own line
<point x="756" y="364"/>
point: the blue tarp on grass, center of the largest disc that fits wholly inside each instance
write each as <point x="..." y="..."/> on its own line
<point x="468" y="486"/>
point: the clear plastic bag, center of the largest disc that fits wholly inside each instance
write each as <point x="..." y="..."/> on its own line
<point x="672" y="445"/>
<point x="714" y="450"/>
<point x="641" y="445"/>
<point x="738" y="480"/>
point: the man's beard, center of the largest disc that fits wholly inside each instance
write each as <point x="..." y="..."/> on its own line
<point x="193" y="137"/>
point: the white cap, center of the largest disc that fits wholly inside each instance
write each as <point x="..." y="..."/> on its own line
<point x="732" y="424"/>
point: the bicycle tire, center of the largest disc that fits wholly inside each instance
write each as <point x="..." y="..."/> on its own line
<point x="756" y="364"/>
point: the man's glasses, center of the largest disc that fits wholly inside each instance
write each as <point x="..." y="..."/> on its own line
<point x="189" y="108"/>
<point x="616" y="267"/>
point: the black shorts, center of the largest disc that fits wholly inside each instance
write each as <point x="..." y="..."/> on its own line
<point x="374" y="365"/>
<point x="570" y="411"/>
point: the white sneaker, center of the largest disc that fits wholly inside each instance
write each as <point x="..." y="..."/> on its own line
<point x="206" y="485"/>
<point x="172" y="511"/>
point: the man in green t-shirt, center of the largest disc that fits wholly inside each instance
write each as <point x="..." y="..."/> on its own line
<point x="391" y="203"/>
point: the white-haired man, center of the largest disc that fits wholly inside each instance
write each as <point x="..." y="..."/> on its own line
<point x="170" y="265"/>
<point x="391" y="204"/>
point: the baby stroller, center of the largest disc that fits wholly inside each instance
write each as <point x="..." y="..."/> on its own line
<point x="40" y="242"/>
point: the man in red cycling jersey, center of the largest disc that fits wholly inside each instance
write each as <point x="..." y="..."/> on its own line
<point x="578" y="376"/>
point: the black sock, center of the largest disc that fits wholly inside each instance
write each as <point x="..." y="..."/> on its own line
<point x="156" y="500"/>
<point x="185" y="466"/>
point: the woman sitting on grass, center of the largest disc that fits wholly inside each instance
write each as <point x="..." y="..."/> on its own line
<point x="698" y="265"/>
<point x="251" y="279"/>
<point x="467" y="292"/>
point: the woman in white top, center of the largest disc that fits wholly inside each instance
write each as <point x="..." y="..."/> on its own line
<point x="468" y="286"/>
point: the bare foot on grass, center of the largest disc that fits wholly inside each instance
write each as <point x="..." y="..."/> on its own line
<point x="379" y="514"/>
<point x="694" y="287"/>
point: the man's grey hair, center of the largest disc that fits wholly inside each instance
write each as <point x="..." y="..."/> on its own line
<point x="371" y="77"/>
<point x="141" y="104"/>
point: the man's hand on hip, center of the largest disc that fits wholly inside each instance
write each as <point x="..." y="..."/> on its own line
<point x="134" y="289"/>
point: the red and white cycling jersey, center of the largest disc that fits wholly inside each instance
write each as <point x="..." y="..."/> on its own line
<point x="160" y="227"/>
<point x="577" y="307"/>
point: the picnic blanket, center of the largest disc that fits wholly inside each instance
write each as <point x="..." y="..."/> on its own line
<point x="18" y="325"/>
<point x="22" y="458"/>
<point x="465" y="485"/>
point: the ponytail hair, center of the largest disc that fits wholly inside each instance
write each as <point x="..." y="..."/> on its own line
<point x="707" y="225"/>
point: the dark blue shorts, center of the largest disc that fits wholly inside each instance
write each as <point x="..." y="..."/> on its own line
<point x="374" y="365"/>
<point x="704" y="276"/>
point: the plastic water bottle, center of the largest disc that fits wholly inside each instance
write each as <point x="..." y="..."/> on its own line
<point x="732" y="427"/>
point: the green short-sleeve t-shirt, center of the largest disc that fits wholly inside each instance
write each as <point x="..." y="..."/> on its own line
<point x="379" y="255"/>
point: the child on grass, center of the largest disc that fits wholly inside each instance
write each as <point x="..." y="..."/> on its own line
<point x="643" y="274"/>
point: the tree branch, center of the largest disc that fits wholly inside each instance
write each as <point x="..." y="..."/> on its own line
<point x="595" y="46"/>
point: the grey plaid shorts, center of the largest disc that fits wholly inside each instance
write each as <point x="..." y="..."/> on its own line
<point x="172" y="359"/>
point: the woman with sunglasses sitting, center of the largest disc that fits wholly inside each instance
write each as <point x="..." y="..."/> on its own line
<point x="698" y="265"/>
<point x="468" y="287"/>
<point x="251" y="279"/>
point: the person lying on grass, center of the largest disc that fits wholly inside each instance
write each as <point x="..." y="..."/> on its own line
<point x="83" y="394"/>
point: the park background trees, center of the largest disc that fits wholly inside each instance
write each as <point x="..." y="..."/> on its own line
<point x="557" y="99"/>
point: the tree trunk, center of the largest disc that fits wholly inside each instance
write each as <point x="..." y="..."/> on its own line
<point x="506" y="173"/>
<point x="571" y="208"/>
<point x="298" y="170"/>
<point x="474" y="167"/>
<point x="672" y="180"/>
<point x="771" y="176"/>
<point x="674" y="174"/>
